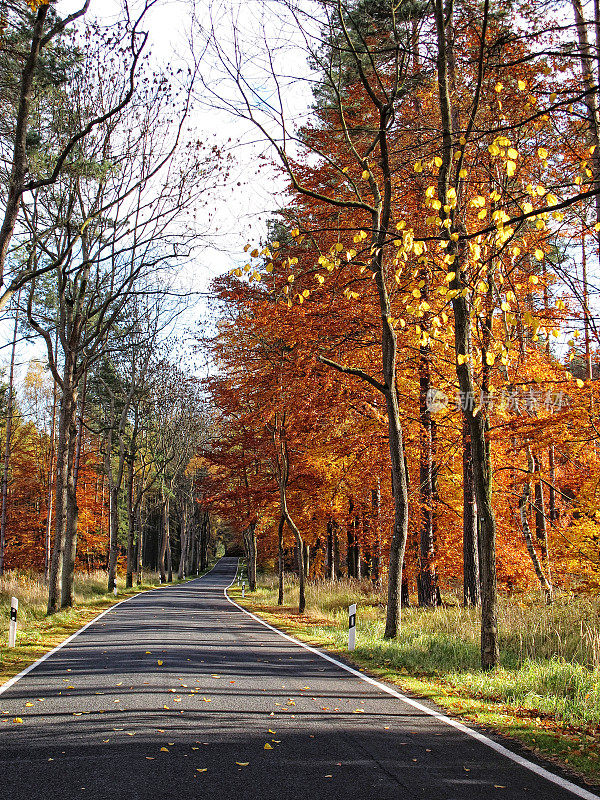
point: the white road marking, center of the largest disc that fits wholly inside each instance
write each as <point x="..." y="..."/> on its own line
<point x="568" y="786"/>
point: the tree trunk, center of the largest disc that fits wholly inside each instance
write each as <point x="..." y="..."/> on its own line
<point x="376" y="549"/>
<point x="427" y="578"/>
<point x="7" y="443"/>
<point x="477" y="420"/>
<point x="162" y="555"/>
<point x="68" y="567"/>
<point x="523" y="507"/>
<point x="130" y="523"/>
<point x="306" y="559"/>
<point x="250" y="538"/>
<point x="280" y="560"/>
<point x="541" y="528"/>
<point x="66" y="423"/>
<point x="470" y="543"/>
<point x="330" y="569"/>
<point x="113" y="527"/>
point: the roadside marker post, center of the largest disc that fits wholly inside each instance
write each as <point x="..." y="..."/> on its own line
<point x="12" y="630"/>
<point x="352" y="627"/>
<point x="244" y="589"/>
<point x="115" y="587"/>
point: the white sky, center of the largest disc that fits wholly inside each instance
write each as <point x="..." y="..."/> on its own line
<point x="239" y="211"/>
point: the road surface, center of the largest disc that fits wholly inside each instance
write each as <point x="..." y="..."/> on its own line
<point x="177" y="693"/>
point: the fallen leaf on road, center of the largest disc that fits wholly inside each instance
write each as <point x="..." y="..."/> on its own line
<point x="207" y="699"/>
<point x="268" y="746"/>
<point x="17" y="720"/>
<point x="270" y="731"/>
<point x="149" y="758"/>
<point x="28" y="705"/>
<point x="167" y="707"/>
<point x="164" y="749"/>
<point x="359" y="711"/>
<point x="202" y="770"/>
<point x="195" y="748"/>
<point x="160" y="663"/>
<point x="242" y="763"/>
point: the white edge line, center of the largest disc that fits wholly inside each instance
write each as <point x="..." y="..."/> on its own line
<point x="13" y="680"/>
<point x="578" y="791"/>
<point x="27" y="670"/>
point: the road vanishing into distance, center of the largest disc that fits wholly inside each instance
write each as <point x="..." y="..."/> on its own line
<point x="178" y="693"/>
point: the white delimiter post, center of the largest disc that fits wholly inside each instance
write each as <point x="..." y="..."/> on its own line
<point x="352" y="627"/>
<point x="244" y="589"/>
<point x="12" y="630"/>
<point x="115" y="587"/>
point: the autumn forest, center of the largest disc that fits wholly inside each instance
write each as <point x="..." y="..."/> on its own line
<point x="399" y="382"/>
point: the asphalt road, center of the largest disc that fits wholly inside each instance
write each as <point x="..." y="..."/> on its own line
<point x="177" y="693"/>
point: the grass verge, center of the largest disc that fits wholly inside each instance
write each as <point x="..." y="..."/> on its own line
<point x="546" y="694"/>
<point x="38" y="633"/>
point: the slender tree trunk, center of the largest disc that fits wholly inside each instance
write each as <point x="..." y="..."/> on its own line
<point x="376" y="550"/>
<point x="184" y="536"/>
<point x="130" y="522"/>
<point x="541" y="528"/>
<point x="7" y="443"/>
<point x="470" y="543"/>
<point x="164" y="540"/>
<point x="66" y="424"/>
<point x="68" y="568"/>
<point x="49" y="491"/>
<point x="306" y="559"/>
<point x="524" y="501"/>
<point x="250" y="538"/>
<point x="427" y="578"/>
<point x="280" y="560"/>
<point x="169" y="560"/>
<point x="330" y="570"/>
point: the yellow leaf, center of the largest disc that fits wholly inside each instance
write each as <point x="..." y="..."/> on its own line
<point x="498" y="87"/>
<point x="160" y="663"/>
<point x="164" y="749"/>
<point x="512" y="153"/>
<point x="510" y="168"/>
<point x="267" y="747"/>
<point x="539" y="254"/>
<point x="542" y="153"/>
<point x="461" y="359"/>
<point x="462" y="173"/>
<point x="534" y="279"/>
<point x="365" y="174"/>
<point x="203" y="769"/>
<point x="418" y="167"/>
<point x="489" y="359"/>
<point x="242" y="763"/>
<point x="522" y="85"/>
<point x="580" y="383"/>
<point x="17" y="720"/>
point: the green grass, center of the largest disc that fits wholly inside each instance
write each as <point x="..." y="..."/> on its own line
<point x="546" y="692"/>
<point x="38" y="633"/>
